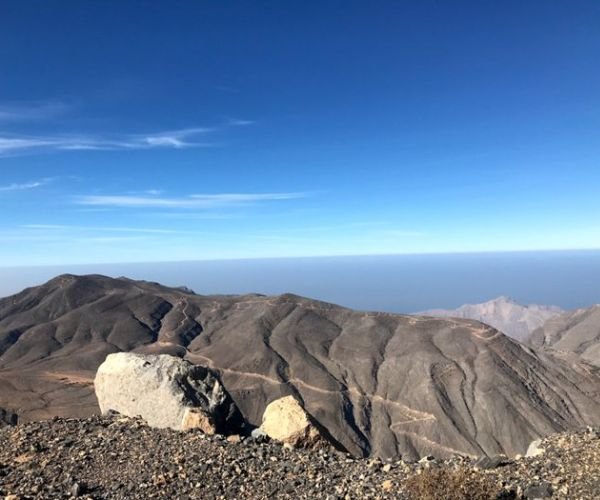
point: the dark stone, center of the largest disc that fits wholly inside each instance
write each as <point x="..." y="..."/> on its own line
<point x="539" y="490"/>
<point x="491" y="462"/>
<point x="507" y="495"/>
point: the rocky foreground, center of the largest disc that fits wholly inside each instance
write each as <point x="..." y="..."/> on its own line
<point x="118" y="457"/>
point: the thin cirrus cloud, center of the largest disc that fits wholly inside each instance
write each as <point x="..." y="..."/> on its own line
<point x="17" y="143"/>
<point x="31" y="111"/>
<point x="236" y="122"/>
<point x="23" y="186"/>
<point x="110" y="229"/>
<point x="174" y="139"/>
<point x="194" y="201"/>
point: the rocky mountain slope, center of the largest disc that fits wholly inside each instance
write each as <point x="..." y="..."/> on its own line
<point x="120" y="458"/>
<point x="504" y="314"/>
<point x="573" y="332"/>
<point x="380" y="384"/>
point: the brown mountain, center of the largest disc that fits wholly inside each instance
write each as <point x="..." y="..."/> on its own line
<point x="380" y="383"/>
<point x="573" y="332"/>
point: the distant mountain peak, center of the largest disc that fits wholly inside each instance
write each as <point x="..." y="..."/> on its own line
<point x="506" y="299"/>
<point x="503" y="313"/>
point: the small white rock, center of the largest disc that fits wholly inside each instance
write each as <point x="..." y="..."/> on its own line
<point x="534" y="449"/>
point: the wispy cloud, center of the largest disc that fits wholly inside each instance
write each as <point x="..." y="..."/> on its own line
<point x="25" y="185"/>
<point x="31" y="111"/>
<point x="193" y="215"/>
<point x="183" y="138"/>
<point x="109" y="229"/>
<point x="191" y="201"/>
<point x="175" y="139"/>
<point x="153" y="192"/>
<point x="14" y="142"/>
<point x="236" y="122"/>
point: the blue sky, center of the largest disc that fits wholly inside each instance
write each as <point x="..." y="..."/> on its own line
<point x="153" y="131"/>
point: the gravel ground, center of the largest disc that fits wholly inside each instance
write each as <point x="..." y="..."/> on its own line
<point x="117" y="457"/>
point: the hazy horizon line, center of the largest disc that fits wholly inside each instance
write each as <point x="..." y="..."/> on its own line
<point x="308" y="257"/>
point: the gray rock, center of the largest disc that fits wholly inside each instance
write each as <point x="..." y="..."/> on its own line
<point x="485" y="463"/>
<point x="539" y="490"/>
<point x="77" y="490"/>
<point x="165" y="391"/>
<point x="259" y="435"/>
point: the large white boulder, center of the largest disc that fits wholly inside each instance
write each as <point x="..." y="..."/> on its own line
<point x="166" y="391"/>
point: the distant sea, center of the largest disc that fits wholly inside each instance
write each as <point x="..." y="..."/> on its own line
<point x="395" y="283"/>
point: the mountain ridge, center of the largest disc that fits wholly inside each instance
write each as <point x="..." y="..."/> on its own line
<point x="381" y="384"/>
<point x="576" y="332"/>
